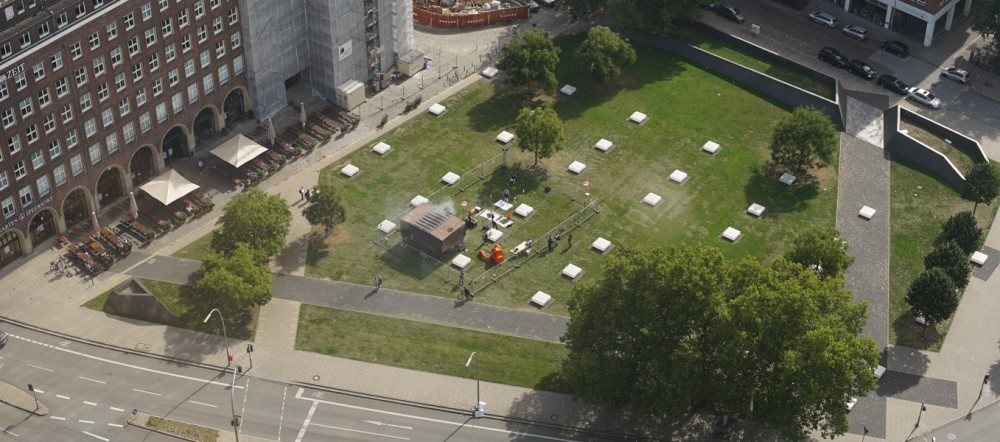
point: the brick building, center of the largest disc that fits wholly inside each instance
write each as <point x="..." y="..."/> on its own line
<point x="99" y="96"/>
<point x="921" y="20"/>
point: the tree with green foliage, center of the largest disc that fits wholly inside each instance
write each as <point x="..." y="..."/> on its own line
<point x="804" y="139"/>
<point x="982" y="185"/>
<point x="238" y="279"/>
<point x="660" y="331"/>
<point x="963" y="230"/>
<point x="530" y="60"/>
<point x="649" y="15"/>
<point x="823" y="248"/>
<point x="604" y="53"/>
<point x="933" y="295"/>
<point x="950" y="258"/>
<point x="326" y="207"/>
<point x="254" y="218"/>
<point x="985" y="15"/>
<point x="539" y="131"/>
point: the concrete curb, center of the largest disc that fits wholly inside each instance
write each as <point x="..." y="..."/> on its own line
<point x="17" y="398"/>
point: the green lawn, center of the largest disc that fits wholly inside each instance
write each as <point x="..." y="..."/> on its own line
<point x="687" y="107"/>
<point x="197" y="249"/>
<point x="191" y="306"/>
<point x="920" y="203"/>
<point x="962" y="160"/>
<point x="427" y="347"/>
<point x="736" y="54"/>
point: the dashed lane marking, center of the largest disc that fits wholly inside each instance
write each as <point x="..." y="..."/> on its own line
<point x="115" y="425"/>
<point x="85" y="421"/>
<point x="93" y="380"/>
<point x="281" y="420"/>
<point x="147" y="392"/>
<point x="385" y="424"/>
<point x="202" y="403"/>
<point x="39" y="391"/>
<point x="116" y="409"/>
<point x="57" y="418"/>
<point x="41" y="368"/>
<point x="96" y="436"/>
<point x="90" y="403"/>
<point x="9" y="432"/>
<point x="62" y="397"/>
<point x="362" y="432"/>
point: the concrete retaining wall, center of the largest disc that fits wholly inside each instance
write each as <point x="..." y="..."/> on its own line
<point x="909" y="148"/>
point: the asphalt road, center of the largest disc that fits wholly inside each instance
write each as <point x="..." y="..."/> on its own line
<point x="91" y="392"/>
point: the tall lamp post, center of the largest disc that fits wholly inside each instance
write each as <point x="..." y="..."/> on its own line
<point x="480" y="405"/>
<point x="229" y="358"/>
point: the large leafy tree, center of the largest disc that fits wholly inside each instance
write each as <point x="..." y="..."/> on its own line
<point x="256" y="219"/>
<point x="963" y="230"/>
<point x="326" y="207"/>
<point x="821" y="247"/>
<point x="530" y="60"/>
<point x="804" y="139"/>
<point x="650" y="15"/>
<point x="985" y="15"/>
<point x="539" y="131"/>
<point x="238" y="279"/>
<point x="982" y="185"/>
<point x="660" y="331"/>
<point x="604" y="53"/>
<point x="950" y="258"/>
<point x="933" y="295"/>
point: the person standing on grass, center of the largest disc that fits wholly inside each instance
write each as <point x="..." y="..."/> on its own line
<point x="378" y="283"/>
<point x="569" y="240"/>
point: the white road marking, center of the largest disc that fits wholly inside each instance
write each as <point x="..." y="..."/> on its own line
<point x="281" y="419"/>
<point x="116" y="409"/>
<point x="39" y="391"/>
<point x="85" y="422"/>
<point x="92" y="380"/>
<point x="384" y="424"/>
<point x="115" y="425"/>
<point x="90" y="403"/>
<point x="62" y="397"/>
<point x="243" y="412"/>
<point x="1" y="364"/>
<point x="57" y="418"/>
<point x="298" y="395"/>
<point x="362" y="432"/>
<point x="10" y="433"/>
<point x="41" y="368"/>
<point x="202" y="403"/>
<point x="305" y="423"/>
<point x="96" y="436"/>
<point x="147" y="392"/>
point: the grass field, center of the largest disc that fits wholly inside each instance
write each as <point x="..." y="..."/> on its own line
<point x="687" y="107"/>
<point x="197" y="249"/>
<point x="427" y="347"/>
<point x="963" y="161"/>
<point x="191" y="306"/>
<point x="920" y="203"/>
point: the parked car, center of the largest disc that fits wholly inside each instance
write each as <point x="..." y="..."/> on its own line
<point x="924" y="97"/>
<point x="954" y="73"/>
<point x="709" y="5"/>
<point x="549" y="3"/>
<point x="855" y="31"/>
<point x="832" y="56"/>
<point x="533" y="7"/>
<point x="861" y="69"/>
<point x="823" y="19"/>
<point x="850" y="403"/>
<point x="896" y="48"/>
<point x="3" y="339"/>
<point x="731" y="12"/>
<point x="893" y="84"/>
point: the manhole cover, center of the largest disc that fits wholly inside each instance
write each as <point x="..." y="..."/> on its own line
<point x="554" y="417"/>
<point x="316" y="377"/>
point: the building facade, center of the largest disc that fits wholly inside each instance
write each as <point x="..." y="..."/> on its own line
<point x="99" y="96"/>
<point x="322" y="44"/>
<point x="921" y="19"/>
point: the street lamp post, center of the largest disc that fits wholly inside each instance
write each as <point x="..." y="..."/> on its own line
<point x="229" y="358"/>
<point x="480" y="406"/>
<point x="922" y="410"/>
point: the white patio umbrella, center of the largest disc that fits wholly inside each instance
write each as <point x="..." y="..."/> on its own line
<point x="169" y="187"/>
<point x="302" y="114"/>
<point x="134" y="207"/>
<point x="93" y="220"/>
<point x="270" y="131"/>
<point x="238" y="150"/>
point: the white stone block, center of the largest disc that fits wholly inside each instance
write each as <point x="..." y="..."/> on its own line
<point x="638" y="117"/>
<point x="461" y="261"/>
<point x="571" y="271"/>
<point x="568" y="90"/>
<point x="451" y="178"/>
<point x="418" y="200"/>
<point x="979" y="258"/>
<point x="437" y="109"/>
<point x="603" y="145"/>
<point x="541" y="298"/>
<point x="524" y="210"/>
<point x="505" y="137"/>
<point x="494" y="235"/>
<point x="381" y="148"/>
<point x="787" y="179"/>
<point x="577" y="167"/>
<point x="652" y="199"/>
<point x="350" y="170"/>
<point x="678" y="176"/>
<point x="386" y="226"/>
<point x="490" y="72"/>
<point x="601" y="245"/>
<point x="732" y="234"/>
<point x="711" y="147"/>
<point x="756" y="210"/>
<point x="867" y="212"/>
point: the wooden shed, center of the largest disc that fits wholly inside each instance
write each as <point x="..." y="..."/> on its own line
<point x="431" y="229"/>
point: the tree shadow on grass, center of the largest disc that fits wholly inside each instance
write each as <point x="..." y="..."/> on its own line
<point x="911" y="334"/>
<point x="414" y="263"/>
<point x="763" y="187"/>
<point x="527" y="179"/>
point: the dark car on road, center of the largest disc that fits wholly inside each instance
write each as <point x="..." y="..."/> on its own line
<point x="731" y="12"/>
<point x="896" y="48"/>
<point x="3" y="339"/>
<point x="893" y="84"/>
<point x="832" y="56"/>
<point x="861" y="69"/>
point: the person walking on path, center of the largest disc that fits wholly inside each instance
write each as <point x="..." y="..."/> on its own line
<point x="378" y="283"/>
<point x="302" y="193"/>
<point x="461" y="277"/>
<point x="467" y="294"/>
<point x="201" y="165"/>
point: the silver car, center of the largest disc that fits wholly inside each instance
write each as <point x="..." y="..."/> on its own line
<point x="823" y="19"/>
<point x="855" y="31"/>
<point x="924" y="97"/>
<point x="959" y="75"/>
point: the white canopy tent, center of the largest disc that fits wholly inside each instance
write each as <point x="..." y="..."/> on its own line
<point x="238" y="150"/>
<point x="169" y="187"/>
